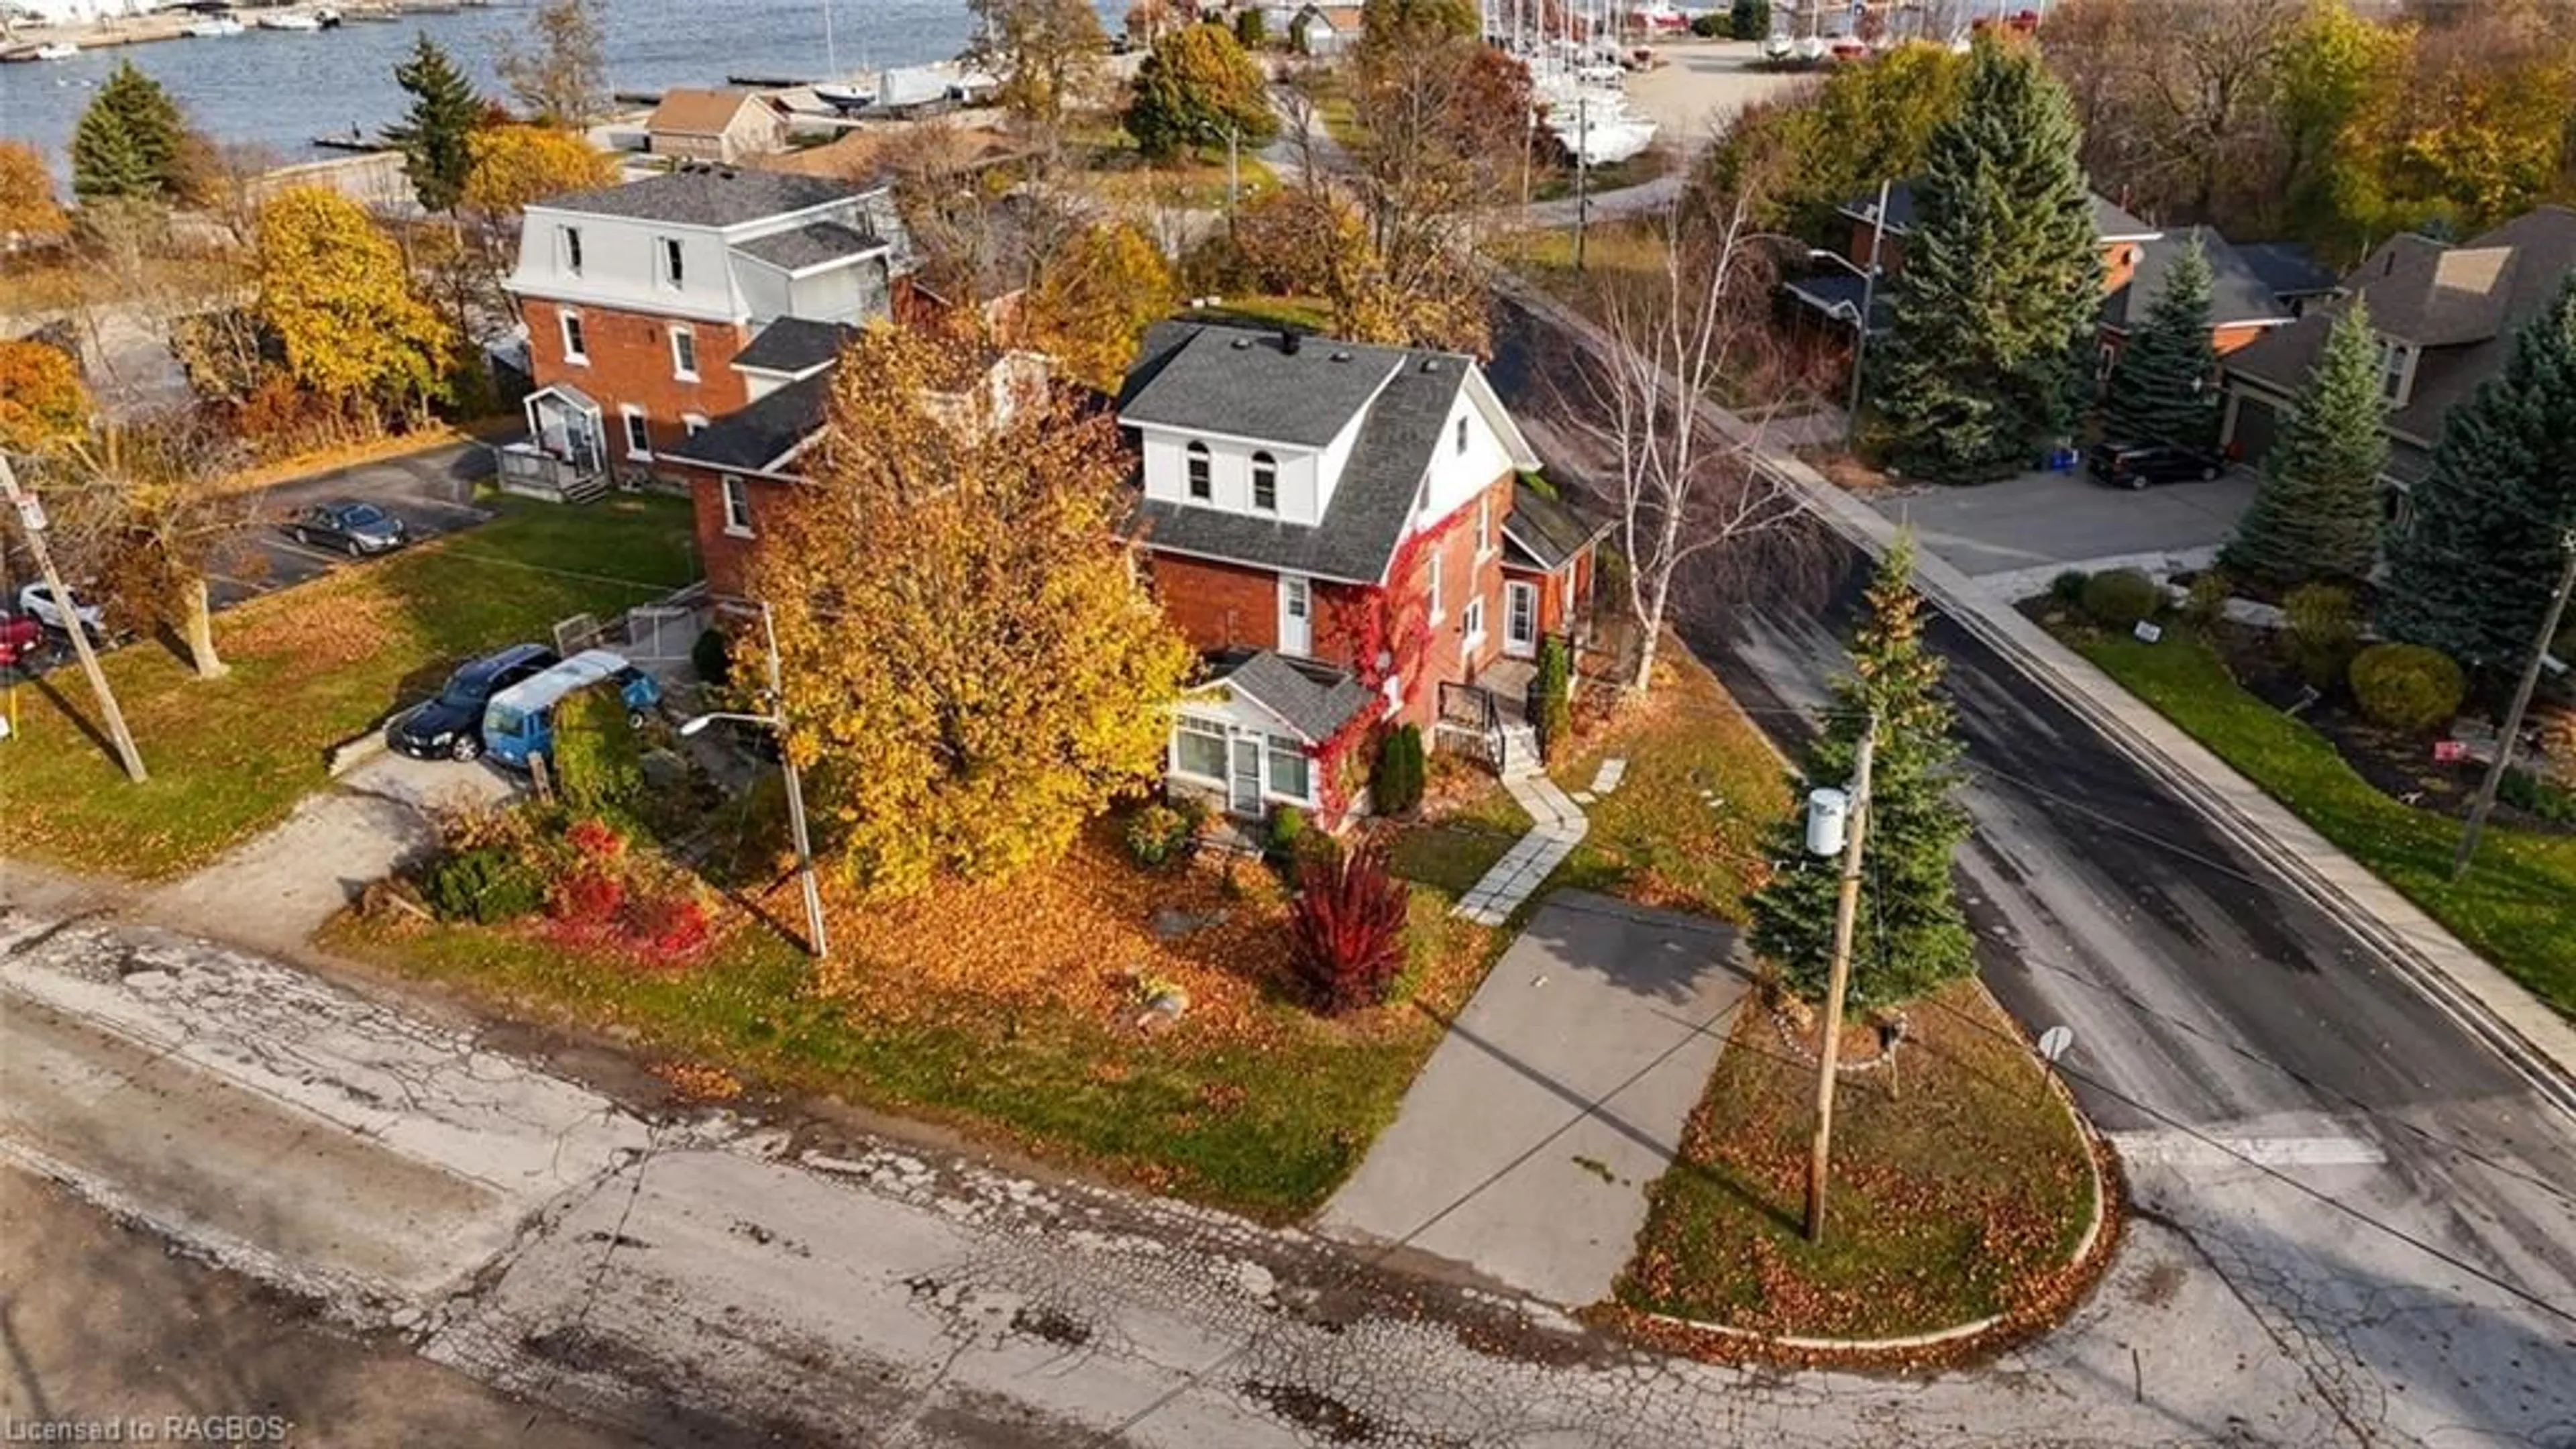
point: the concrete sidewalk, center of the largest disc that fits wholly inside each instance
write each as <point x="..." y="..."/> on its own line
<point x="1525" y="1147"/>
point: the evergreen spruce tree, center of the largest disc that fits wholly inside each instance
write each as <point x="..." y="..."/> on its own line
<point x="128" y="144"/>
<point x="2002" y="280"/>
<point x="1912" y="935"/>
<point x="435" y="134"/>
<point x="2316" y="515"/>
<point x="2164" y="389"/>
<point x="2472" y="575"/>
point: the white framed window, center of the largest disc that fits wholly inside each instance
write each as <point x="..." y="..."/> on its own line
<point x="1198" y="749"/>
<point x="1265" y="483"/>
<point x="2396" y="370"/>
<point x="684" y="354"/>
<point x="1291" y="773"/>
<point x="1472" y="620"/>
<point x="674" y="263"/>
<point x="1439" y="606"/>
<point x="576" y="347"/>
<point x="1202" y="486"/>
<point x="568" y="247"/>
<point x="692" y="424"/>
<point x="737" y="506"/>
<point x="1462" y="432"/>
<point x="639" y="432"/>
<point x="1296" y="615"/>
<point x="1485" y="526"/>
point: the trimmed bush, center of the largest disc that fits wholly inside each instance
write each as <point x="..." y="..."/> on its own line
<point x="1157" y="834"/>
<point x="2407" y="687"/>
<point x="487" y="885"/>
<point x="2207" y="601"/>
<point x="2068" y="588"/>
<point x="712" y="657"/>
<point x="2121" y="599"/>
<point x="1346" y="928"/>
<point x="1287" y="831"/>
<point x="1395" y="786"/>
<point x="599" y="761"/>
<point x="1555" y="697"/>
<point x="2323" y="634"/>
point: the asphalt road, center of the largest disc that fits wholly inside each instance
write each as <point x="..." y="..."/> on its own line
<point x="2387" y="1196"/>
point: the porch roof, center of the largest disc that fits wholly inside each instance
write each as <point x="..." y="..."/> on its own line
<point x="569" y="393"/>
<point x="1544" y="533"/>
<point x="1312" y="698"/>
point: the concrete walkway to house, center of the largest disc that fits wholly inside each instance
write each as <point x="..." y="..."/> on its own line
<point x="1557" y="825"/>
<point x="1525" y="1147"/>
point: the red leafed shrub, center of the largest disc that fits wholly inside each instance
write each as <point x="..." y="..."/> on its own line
<point x="595" y="840"/>
<point x="1346" y="927"/>
<point x="674" y="928"/>
<point x="588" y="897"/>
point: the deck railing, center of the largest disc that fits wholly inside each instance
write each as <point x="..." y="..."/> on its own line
<point x="532" y="472"/>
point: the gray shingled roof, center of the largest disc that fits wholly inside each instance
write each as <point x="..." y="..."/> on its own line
<point x="1315" y="699"/>
<point x="752" y="438"/>
<point x="1542" y="532"/>
<point x="2407" y="287"/>
<point x="708" y="196"/>
<point x="1370" y="505"/>
<point x="815" y="244"/>
<point x="2288" y="268"/>
<point x="796" y="344"/>
<point x="2109" y="219"/>
<point x="2237" y="293"/>
<point x="1248" y="384"/>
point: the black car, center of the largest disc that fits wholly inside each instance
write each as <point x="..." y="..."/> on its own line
<point x="357" y="529"/>
<point x="2135" y="465"/>
<point x="450" y="725"/>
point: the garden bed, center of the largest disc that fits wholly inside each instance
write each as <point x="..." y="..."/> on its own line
<point x="1962" y="1187"/>
<point x="1011" y="1009"/>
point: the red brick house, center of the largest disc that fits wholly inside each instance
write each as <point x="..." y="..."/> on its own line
<point x="658" y="307"/>
<point x="1333" y="525"/>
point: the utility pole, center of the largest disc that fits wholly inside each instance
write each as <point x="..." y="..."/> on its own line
<point x="1582" y="172"/>
<point x="1846" y="919"/>
<point x="1860" y="327"/>
<point x="1233" y="172"/>
<point x="815" y="941"/>
<point x="31" y="521"/>
<point x="2522" y="693"/>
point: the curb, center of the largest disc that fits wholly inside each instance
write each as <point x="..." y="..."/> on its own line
<point x="2094" y="1146"/>
<point x="2472" y="992"/>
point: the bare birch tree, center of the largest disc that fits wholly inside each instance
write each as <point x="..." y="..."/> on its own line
<point x="1678" y="485"/>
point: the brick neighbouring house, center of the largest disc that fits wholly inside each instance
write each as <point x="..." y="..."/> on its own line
<point x="2446" y="317"/>
<point x="641" y="301"/>
<point x="2253" y="288"/>
<point x="1340" y="530"/>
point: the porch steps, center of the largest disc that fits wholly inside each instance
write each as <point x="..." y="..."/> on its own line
<point x="588" y="489"/>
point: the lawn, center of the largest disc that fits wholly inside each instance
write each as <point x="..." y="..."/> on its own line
<point x="1008" y="1009"/>
<point x="2514" y="908"/>
<point x="1959" y="1187"/>
<point x="311" y="666"/>
<point x="1685" y="827"/>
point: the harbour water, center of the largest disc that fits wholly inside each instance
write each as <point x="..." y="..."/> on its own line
<point x="279" y="89"/>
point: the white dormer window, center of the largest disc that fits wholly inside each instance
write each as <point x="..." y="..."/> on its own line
<point x="1202" y="488"/>
<point x="1462" y="433"/>
<point x="575" y="346"/>
<point x="2396" y="371"/>
<point x="1265" y="483"/>
<point x="1439" y="609"/>
<point x="684" y="354"/>
<point x="1485" y="526"/>
<point x="674" y="269"/>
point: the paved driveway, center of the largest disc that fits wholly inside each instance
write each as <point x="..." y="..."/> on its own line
<point x="2031" y="527"/>
<point x="1525" y="1147"/>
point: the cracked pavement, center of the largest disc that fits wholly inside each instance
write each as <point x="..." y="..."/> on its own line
<point x="704" y="1278"/>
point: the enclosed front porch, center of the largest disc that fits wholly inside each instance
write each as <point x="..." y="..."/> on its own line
<point x="1255" y="737"/>
<point x="564" y="457"/>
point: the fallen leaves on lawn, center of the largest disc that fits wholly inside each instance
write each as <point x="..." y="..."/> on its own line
<point x="327" y="624"/>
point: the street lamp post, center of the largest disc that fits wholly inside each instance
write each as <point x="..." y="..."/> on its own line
<point x="817" y="941"/>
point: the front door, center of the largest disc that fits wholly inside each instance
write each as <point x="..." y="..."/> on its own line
<point x="1520" y="618"/>
<point x="1296" y="615"/>
<point x="1244" y="793"/>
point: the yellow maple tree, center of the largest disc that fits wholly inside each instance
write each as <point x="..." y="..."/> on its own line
<point x="1096" y="300"/>
<point x="334" y="289"/>
<point x="517" y="165"/>
<point x="27" y="204"/>
<point x="972" y="668"/>
<point x="42" y="401"/>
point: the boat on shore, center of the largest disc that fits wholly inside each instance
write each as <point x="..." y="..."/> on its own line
<point x="216" y="28"/>
<point x="297" y="20"/>
<point x="55" y="50"/>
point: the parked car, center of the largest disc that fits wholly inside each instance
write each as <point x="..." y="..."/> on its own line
<point x="518" y="725"/>
<point x="36" y="601"/>
<point x="23" y="643"/>
<point x="449" y="724"/>
<point x="2135" y="465"/>
<point x="356" y="529"/>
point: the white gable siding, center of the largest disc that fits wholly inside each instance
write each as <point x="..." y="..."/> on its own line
<point x="1229" y="474"/>
<point x="1457" y="477"/>
<point x="621" y="266"/>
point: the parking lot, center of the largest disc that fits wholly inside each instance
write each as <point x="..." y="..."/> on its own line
<point x="2014" y="536"/>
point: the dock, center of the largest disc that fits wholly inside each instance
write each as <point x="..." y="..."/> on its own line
<point x="354" y="142"/>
